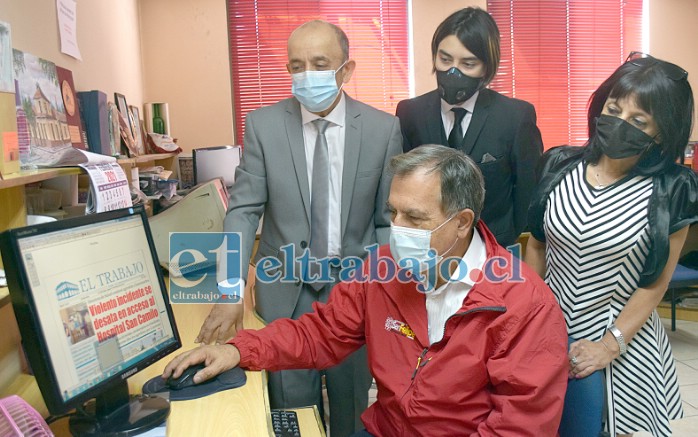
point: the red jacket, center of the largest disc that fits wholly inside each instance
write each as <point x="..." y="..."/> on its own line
<point x="500" y="369"/>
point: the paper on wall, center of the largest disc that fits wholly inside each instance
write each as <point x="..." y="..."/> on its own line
<point x="66" y="10"/>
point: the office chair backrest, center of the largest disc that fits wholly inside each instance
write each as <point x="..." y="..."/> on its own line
<point x="214" y="162"/>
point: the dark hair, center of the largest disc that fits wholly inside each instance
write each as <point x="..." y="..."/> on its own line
<point x="668" y="100"/>
<point x="477" y="31"/>
<point x="462" y="183"/>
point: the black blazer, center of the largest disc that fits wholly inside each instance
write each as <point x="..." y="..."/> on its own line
<point x="503" y="127"/>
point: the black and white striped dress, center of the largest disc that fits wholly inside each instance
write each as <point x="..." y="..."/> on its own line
<point x="596" y="244"/>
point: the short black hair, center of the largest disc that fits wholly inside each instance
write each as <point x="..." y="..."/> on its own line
<point x="669" y="101"/>
<point x="477" y="31"/>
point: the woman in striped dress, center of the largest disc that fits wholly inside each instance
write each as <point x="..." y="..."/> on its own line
<point x="608" y="222"/>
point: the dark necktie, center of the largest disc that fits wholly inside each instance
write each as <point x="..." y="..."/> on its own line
<point x="320" y="197"/>
<point x="456" y="137"/>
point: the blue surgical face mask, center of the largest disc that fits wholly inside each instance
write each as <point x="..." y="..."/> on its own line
<point x="415" y="244"/>
<point x="316" y="90"/>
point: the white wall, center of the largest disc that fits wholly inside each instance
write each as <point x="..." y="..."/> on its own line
<point x="108" y="36"/>
<point x="185" y="53"/>
<point x="673" y="37"/>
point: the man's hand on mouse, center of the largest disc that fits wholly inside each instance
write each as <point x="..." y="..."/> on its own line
<point x="217" y="358"/>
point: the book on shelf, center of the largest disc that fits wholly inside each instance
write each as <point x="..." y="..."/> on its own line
<point x="9" y="147"/>
<point x="71" y="104"/>
<point x="95" y="115"/>
<point x="40" y="110"/>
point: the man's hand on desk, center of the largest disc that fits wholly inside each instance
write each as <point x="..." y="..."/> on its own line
<point x="217" y="358"/>
<point x="223" y="322"/>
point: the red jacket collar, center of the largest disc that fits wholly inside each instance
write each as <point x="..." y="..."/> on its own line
<point x="412" y="303"/>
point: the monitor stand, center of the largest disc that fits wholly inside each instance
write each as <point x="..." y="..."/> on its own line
<point x="116" y="413"/>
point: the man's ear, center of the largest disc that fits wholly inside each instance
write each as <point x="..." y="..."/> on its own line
<point x="466" y="222"/>
<point x="347" y="71"/>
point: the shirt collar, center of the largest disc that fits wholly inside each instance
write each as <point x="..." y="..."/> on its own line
<point x="337" y="116"/>
<point x="474" y="258"/>
<point x="468" y="104"/>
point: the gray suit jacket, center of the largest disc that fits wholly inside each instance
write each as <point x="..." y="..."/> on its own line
<point x="272" y="179"/>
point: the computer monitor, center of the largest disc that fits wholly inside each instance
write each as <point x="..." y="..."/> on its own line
<point x="214" y="162"/>
<point x="92" y="309"/>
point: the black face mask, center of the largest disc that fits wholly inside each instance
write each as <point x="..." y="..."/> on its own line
<point x="455" y="87"/>
<point x="619" y="139"/>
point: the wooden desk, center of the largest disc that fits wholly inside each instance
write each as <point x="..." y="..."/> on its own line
<point x="243" y="411"/>
<point x="309" y="422"/>
<point x="240" y="412"/>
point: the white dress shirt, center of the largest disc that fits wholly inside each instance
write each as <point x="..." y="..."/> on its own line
<point x="448" y="117"/>
<point x="335" y="144"/>
<point x="446" y="300"/>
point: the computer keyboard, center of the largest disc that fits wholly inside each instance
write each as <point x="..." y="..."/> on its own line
<point x="285" y="423"/>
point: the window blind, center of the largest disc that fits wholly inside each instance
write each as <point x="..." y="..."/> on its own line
<point x="555" y="53"/>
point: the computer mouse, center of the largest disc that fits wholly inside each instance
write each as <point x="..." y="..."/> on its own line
<point x="186" y="379"/>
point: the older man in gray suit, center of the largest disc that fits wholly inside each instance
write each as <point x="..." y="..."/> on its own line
<point x="314" y="165"/>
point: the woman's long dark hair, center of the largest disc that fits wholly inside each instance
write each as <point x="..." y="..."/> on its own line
<point x="668" y="100"/>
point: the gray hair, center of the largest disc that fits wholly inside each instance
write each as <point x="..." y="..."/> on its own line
<point x="462" y="184"/>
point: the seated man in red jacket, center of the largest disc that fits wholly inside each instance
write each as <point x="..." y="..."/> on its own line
<point x="462" y="337"/>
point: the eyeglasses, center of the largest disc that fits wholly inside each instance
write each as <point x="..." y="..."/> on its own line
<point x="672" y="71"/>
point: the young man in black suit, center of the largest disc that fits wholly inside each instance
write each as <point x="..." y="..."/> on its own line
<point x="498" y="132"/>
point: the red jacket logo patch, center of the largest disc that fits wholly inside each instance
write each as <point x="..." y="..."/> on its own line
<point x="401" y="328"/>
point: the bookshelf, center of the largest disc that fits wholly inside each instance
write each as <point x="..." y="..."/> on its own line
<point x="13" y="213"/>
<point x="166" y="160"/>
<point x="4" y="296"/>
<point x="30" y="176"/>
<point x="13" y="208"/>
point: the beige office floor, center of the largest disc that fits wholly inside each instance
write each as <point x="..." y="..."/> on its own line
<point x="684" y="342"/>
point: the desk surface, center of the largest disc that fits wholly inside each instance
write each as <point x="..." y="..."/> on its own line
<point x="238" y="412"/>
<point x="242" y="412"/>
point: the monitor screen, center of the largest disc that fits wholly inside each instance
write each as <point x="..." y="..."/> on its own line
<point x="90" y="302"/>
